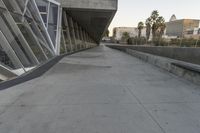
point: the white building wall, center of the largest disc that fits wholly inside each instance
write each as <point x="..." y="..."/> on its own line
<point x="133" y="32"/>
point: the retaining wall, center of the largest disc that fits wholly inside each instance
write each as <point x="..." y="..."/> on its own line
<point x="180" y="68"/>
<point x="191" y="55"/>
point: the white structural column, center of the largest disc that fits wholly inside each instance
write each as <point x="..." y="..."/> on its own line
<point x="66" y="24"/>
<point x="81" y="36"/>
<point x="77" y="35"/>
<point x="85" y="38"/>
<point x="59" y="29"/>
<point x="63" y="42"/>
<point x="72" y="33"/>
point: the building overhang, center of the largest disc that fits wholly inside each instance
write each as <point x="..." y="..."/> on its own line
<point x="93" y="15"/>
<point x="95" y="22"/>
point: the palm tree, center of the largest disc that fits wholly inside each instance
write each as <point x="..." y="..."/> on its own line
<point x="158" y="24"/>
<point x="140" y="27"/>
<point x="148" y="24"/>
<point x="154" y="17"/>
<point x="161" y="26"/>
<point x="125" y="36"/>
<point x="106" y="34"/>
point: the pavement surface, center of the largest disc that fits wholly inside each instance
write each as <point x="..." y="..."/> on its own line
<point x="101" y="90"/>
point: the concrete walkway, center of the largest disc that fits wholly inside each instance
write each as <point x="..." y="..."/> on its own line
<point x="101" y="91"/>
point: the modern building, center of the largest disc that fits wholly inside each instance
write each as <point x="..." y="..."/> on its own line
<point x="118" y="32"/>
<point x="179" y="28"/>
<point x="193" y="33"/>
<point x="32" y="32"/>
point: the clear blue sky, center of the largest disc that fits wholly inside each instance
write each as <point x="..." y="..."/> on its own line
<point x="130" y="12"/>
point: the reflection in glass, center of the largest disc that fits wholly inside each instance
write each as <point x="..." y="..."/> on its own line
<point x="4" y="59"/>
<point x="49" y="13"/>
<point x="29" y="33"/>
<point x="52" y="22"/>
<point x="8" y="58"/>
<point x="32" y="43"/>
<point x="12" y="6"/>
<point x="62" y="44"/>
<point x="37" y="25"/>
<point x="21" y="4"/>
<point x="15" y="41"/>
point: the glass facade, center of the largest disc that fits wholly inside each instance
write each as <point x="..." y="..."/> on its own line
<point x="49" y="12"/>
<point x="34" y="31"/>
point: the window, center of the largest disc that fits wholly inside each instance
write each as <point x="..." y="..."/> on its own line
<point x="12" y="6"/>
<point x="8" y="57"/>
<point x="21" y="4"/>
<point x="35" y="46"/>
<point x="52" y="22"/>
<point x="15" y="40"/>
<point x="190" y="32"/>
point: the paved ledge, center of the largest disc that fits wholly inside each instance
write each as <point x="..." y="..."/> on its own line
<point x="101" y="90"/>
<point x="188" y="66"/>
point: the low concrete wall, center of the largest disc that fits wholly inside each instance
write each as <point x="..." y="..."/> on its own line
<point x="191" y="55"/>
<point x="168" y="65"/>
<point x="188" y="71"/>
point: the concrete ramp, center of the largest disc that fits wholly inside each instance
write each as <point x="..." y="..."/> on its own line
<point x="101" y="90"/>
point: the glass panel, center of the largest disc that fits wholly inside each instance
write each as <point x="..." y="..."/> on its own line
<point x="2" y="4"/>
<point x="12" y="6"/>
<point x="50" y="11"/>
<point x="47" y="51"/>
<point x="52" y="32"/>
<point x="43" y="9"/>
<point x="4" y="58"/>
<point x="15" y="40"/>
<point x="21" y="4"/>
<point x="52" y="22"/>
<point x="53" y="14"/>
<point x="37" y="25"/>
<point x="42" y="5"/>
<point x="32" y="42"/>
<point x="44" y="17"/>
<point x="62" y="44"/>
<point x="18" y="18"/>
<point x="7" y="56"/>
<point x="32" y="10"/>
<point x="39" y="34"/>
<point x="31" y="37"/>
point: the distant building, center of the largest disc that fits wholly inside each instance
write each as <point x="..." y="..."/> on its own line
<point x="179" y="28"/>
<point x="193" y="33"/>
<point x="173" y="18"/>
<point x="118" y="32"/>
